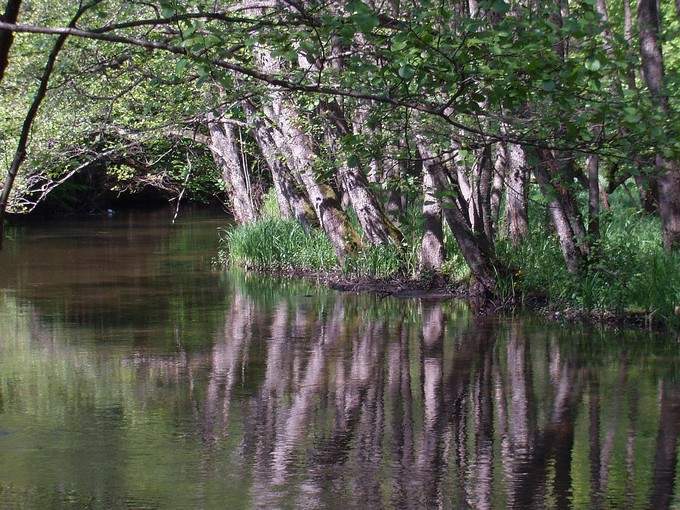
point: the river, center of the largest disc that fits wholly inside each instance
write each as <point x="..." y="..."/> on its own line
<point x="135" y="373"/>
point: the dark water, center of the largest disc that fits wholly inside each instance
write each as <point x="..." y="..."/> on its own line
<point x="135" y="375"/>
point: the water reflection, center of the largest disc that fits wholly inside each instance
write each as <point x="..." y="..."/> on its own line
<point x="301" y="398"/>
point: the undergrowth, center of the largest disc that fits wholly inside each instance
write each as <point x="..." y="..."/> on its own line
<point x="629" y="271"/>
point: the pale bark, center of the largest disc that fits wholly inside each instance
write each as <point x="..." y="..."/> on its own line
<point x="225" y="147"/>
<point x="292" y="202"/>
<point x="375" y="224"/>
<point x="475" y="250"/>
<point x="558" y="213"/>
<point x="516" y="193"/>
<point x="301" y="157"/>
<point x="497" y="185"/>
<point x="432" y="244"/>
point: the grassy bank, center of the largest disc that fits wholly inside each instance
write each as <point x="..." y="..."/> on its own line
<point x="631" y="275"/>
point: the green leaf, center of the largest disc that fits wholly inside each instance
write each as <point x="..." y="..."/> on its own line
<point x="353" y="161"/>
<point x="548" y="85"/>
<point x="406" y="72"/>
<point x="593" y="64"/>
<point x="500" y="7"/>
<point x="365" y="21"/>
<point x="181" y="66"/>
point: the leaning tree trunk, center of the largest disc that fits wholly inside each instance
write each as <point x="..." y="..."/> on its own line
<point x="432" y="244"/>
<point x="375" y="224"/>
<point x="292" y="202"/>
<point x="333" y="220"/>
<point x="573" y="257"/>
<point x="653" y="72"/>
<point x="225" y="148"/>
<point x="476" y="250"/>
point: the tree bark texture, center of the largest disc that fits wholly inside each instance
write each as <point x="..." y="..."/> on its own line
<point x="6" y="37"/>
<point x="653" y="73"/>
<point x="432" y="245"/>
<point x="476" y="251"/>
<point x="226" y="151"/>
<point x="293" y="203"/>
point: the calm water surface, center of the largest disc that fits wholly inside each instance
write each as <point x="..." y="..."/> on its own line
<point x="133" y="374"/>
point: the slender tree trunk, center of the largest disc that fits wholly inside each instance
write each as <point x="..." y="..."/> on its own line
<point x="565" y="234"/>
<point x="483" y="174"/>
<point x="559" y="177"/>
<point x="653" y="72"/>
<point x="432" y="245"/>
<point x="292" y="202"/>
<point x="647" y="185"/>
<point x="498" y="185"/>
<point x="224" y="145"/>
<point x="593" y="197"/>
<point x="6" y="37"/>
<point x="394" y="206"/>
<point x="476" y="250"/>
<point x="20" y="153"/>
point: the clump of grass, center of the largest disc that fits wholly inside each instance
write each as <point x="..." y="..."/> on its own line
<point x="382" y="261"/>
<point x="276" y="244"/>
<point x="270" y="206"/>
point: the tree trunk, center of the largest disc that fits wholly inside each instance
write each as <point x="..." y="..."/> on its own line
<point x="432" y="245"/>
<point x="516" y="193"/>
<point x="573" y="256"/>
<point x="484" y="178"/>
<point x="593" y="163"/>
<point x="476" y="250"/>
<point x="375" y="224"/>
<point x="6" y="37"/>
<point x="653" y="72"/>
<point x="394" y="206"/>
<point x="497" y="185"/>
<point x="560" y="177"/>
<point x="226" y="151"/>
<point x="292" y="202"/>
<point x="301" y="157"/>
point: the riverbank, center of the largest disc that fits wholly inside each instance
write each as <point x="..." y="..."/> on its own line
<point x="632" y="283"/>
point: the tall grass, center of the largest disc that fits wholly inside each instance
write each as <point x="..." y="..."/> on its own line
<point x="276" y="244"/>
<point x="629" y="273"/>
